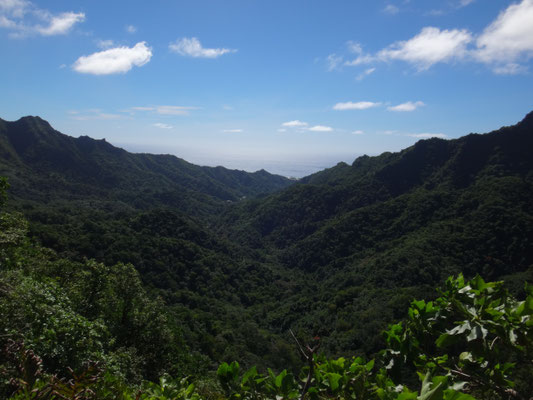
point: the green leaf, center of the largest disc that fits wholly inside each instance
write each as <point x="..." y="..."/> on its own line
<point x="279" y="379"/>
<point x="451" y="394"/>
<point x="333" y="379"/>
<point x="428" y="392"/>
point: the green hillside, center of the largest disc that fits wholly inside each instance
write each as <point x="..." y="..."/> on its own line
<point x="45" y="165"/>
<point x="231" y="260"/>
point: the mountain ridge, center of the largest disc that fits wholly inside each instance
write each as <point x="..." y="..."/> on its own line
<point x="339" y="254"/>
<point x="35" y="150"/>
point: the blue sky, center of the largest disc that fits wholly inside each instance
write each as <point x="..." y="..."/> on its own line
<point x="250" y="83"/>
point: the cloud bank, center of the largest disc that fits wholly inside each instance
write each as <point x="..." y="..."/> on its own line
<point x="503" y="45"/>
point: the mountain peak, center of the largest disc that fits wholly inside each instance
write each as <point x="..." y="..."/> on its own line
<point x="527" y="121"/>
<point x="35" y="120"/>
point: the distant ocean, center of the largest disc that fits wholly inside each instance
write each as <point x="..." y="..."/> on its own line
<point x="294" y="166"/>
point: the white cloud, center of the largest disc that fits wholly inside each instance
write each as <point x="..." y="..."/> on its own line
<point x="105" y="44"/>
<point x="509" y="38"/>
<point x="193" y="48"/>
<point x="174" y="110"/>
<point x="361" y="105"/>
<point x="160" y="125"/>
<point x="131" y="29"/>
<point x="321" y="128"/>
<point x="405" y="107"/>
<point x="354" y="47"/>
<point x="436" y="13"/>
<point x="304" y="126"/>
<point x="232" y="130"/>
<point x="334" y="61"/>
<point x="391" y="9"/>
<point x="24" y="19"/>
<point x="510" y="69"/>
<point x="167" y="110"/>
<point x="464" y="3"/>
<point x="113" y="61"/>
<point x="428" y="135"/>
<point x="365" y="73"/>
<point x="429" y="47"/>
<point x="94" y="114"/>
<point x="295" y="123"/>
<point x="61" y="23"/>
<point x="358" y="132"/>
<point x="504" y="45"/>
<point x="362" y="59"/>
<point x="14" y="8"/>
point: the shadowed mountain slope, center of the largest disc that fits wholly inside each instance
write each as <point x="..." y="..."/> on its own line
<point x="339" y="254"/>
<point x="480" y="185"/>
<point x="42" y="164"/>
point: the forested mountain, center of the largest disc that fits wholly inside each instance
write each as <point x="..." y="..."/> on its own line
<point x="45" y="165"/>
<point x="370" y="235"/>
<point x="338" y="254"/>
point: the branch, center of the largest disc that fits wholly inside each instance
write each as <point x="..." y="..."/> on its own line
<point x="298" y="343"/>
<point x="504" y="391"/>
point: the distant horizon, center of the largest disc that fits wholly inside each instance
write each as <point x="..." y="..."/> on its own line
<point x="287" y="165"/>
<point x="291" y="165"/>
<point x="264" y="79"/>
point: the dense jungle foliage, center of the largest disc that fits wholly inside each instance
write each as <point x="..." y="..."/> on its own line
<point x="129" y="268"/>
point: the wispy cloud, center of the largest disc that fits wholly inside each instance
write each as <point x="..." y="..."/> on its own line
<point x="429" y="47"/>
<point x="130" y="29"/>
<point x="166" y="110"/>
<point x="464" y="3"/>
<point x="304" y="126"/>
<point x="24" y="18"/>
<point x="509" y="69"/>
<point x="321" y="128"/>
<point x="232" y="130"/>
<point x="114" y="61"/>
<point x="60" y="24"/>
<point x="358" y="132"/>
<point x="365" y="73"/>
<point x="174" y="110"/>
<point x="105" y="44"/>
<point x="360" y="105"/>
<point x="406" y="107"/>
<point x="428" y="135"/>
<point x="334" y="61"/>
<point x="193" y="48"/>
<point x="391" y="9"/>
<point x="161" y="125"/>
<point x="295" y="123"/>
<point x="94" y="114"/>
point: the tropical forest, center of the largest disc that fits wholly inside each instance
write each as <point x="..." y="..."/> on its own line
<point x="406" y="275"/>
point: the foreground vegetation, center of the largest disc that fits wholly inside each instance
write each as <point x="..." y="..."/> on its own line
<point x="84" y="330"/>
